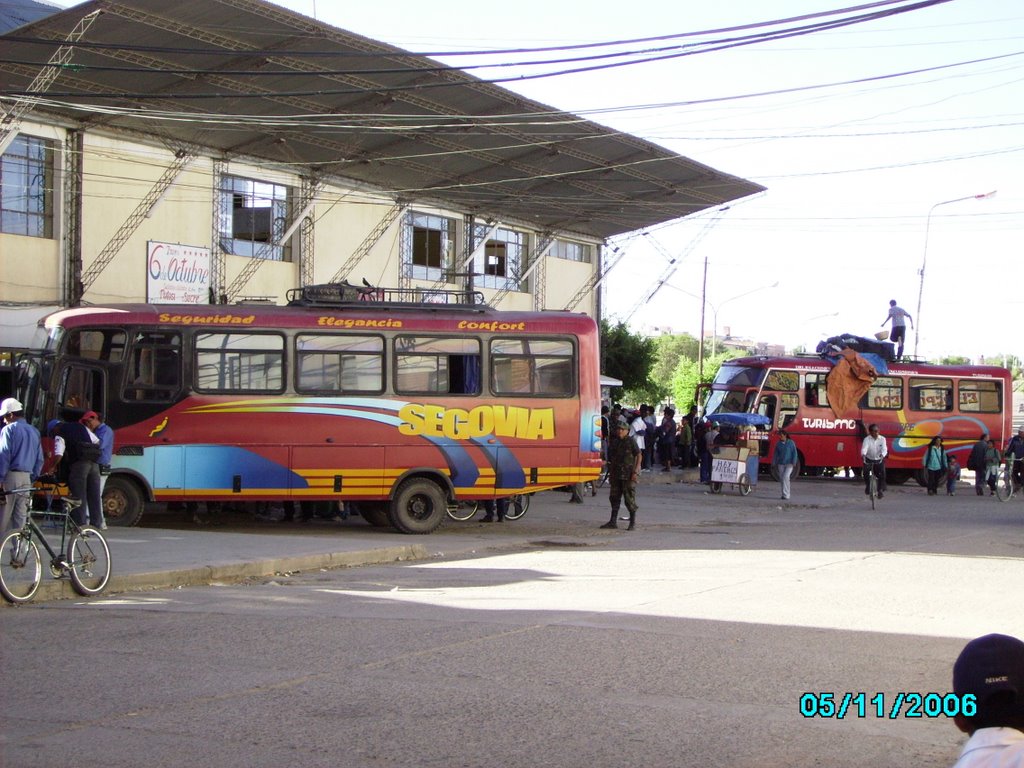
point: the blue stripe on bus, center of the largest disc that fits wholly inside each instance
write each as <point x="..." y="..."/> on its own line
<point x="508" y="472"/>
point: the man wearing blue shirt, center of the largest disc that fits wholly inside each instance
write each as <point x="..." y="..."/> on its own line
<point x="784" y="458"/>
<point x="21" y="461"/>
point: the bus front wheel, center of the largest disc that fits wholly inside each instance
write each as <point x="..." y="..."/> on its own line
<point x="419" y="506"/>
<point x="122" y="502"/>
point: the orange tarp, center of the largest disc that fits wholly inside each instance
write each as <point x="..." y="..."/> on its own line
<point x="847" y="383"/>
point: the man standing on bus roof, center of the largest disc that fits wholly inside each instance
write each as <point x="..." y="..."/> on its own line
<point x="21" y="461"/>
<point x="624" y="457"/>
<point x="899" y="317"/>
<point x="873" y="452"/>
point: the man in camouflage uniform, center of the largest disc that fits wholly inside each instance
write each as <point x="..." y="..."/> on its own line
<point x="624" y="458"/>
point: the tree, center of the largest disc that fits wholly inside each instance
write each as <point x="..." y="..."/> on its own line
<point x="685" y="377"/>
<point x="954" y="360"/>
<point x="668" y="351"/>
<point x="626" y="356"/>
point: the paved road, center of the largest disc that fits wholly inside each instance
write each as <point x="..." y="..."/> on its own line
<point x="541" y="642"/>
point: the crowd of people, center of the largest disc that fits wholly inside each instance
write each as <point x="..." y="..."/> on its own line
<point x="78" y="452"/>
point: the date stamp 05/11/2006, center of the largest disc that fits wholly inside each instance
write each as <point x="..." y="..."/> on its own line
<point x="899" y="704"/>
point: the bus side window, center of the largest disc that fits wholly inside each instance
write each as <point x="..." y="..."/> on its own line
<point x="931" y="394"/>
<point x="767" y="407"/>
<point x="154" y="367"/>
<point x="542" y="367"/>
<point x="437" y="365"/>
<point x="82" y="389"/>
<point x="815" y="393"/>
<point x="790" y="404"/>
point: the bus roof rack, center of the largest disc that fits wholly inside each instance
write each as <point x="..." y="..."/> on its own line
<point x="344" y="294"/>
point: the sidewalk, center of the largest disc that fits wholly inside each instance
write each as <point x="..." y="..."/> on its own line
<point x="167" y="552"/>
<point x="179" y="554"/>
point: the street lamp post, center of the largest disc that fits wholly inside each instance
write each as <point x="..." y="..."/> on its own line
<point x="714" y="312"/>
<point x="924" y="257"/>
<point x="704" y="303"/>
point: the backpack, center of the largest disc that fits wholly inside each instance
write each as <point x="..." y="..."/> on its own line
<point x="88" y="451"/>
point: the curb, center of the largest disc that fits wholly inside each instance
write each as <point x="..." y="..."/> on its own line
<point x="204" y="575"/>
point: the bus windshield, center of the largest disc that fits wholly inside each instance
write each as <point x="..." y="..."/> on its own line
<point x="739" y="376"/>
<point x="727" y="401"/>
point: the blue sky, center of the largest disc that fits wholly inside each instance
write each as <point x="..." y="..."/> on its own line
<point x="852" y="170"/>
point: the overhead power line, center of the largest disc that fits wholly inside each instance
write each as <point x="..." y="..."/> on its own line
<point x="637" y="57"/>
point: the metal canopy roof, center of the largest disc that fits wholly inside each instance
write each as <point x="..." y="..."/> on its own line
<point x="382" y="120"/>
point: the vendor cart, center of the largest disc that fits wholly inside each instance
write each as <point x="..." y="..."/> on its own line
<point x="738" y="464"/>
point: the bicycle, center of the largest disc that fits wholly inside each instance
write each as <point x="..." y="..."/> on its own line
<point x="83" y="555"/>
<point x="1005" y="486"/>
<point x="873" y="492"/>
<point x="466" y="510"/>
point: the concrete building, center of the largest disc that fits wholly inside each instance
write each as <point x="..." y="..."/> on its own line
<point x="211" y="151"/>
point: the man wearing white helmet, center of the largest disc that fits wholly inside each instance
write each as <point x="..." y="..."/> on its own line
<point x="21" y="461"/>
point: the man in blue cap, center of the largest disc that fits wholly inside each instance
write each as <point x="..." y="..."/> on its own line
<point x="991" y="670"/>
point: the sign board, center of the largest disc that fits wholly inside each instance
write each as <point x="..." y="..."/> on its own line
<point x="177" y="274"/>
<point x="727" y="471"/>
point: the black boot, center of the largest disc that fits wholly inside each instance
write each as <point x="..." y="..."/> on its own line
<point x="632" y="521"/>
<point x="611" y="523"/>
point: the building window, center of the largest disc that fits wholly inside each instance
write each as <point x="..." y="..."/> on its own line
<point x="499" y="264"/>
<point x="433" y="245"/>
<point x="570" y="251"/>
<point x="26" y="187"/>
<point x="253" y="218"/>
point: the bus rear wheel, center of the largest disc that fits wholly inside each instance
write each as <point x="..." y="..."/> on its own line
<point x="122" y="502"/>
<point x="419" y="506"/>
<point x="897" y="476"/>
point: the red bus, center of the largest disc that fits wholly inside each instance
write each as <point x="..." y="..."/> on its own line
<point x="405" y="401"/>
<point x="911" y="403"/>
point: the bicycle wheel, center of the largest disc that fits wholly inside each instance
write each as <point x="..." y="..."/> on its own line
<point x="464" y="510"/>
<point x="1004" y="486"/>
<point x="873" y="489"/>
<point x="744" y="484"/>
<point x="517" y="506"/>
<point x="716" y="487"/>
<point x="20" y="567"/>
<point x="89" y="561"/>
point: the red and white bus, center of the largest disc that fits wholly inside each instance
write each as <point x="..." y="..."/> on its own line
<point x="911" y="403"/>
<point x="404" y="401"/>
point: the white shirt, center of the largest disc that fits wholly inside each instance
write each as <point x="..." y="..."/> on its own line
<point x="993" y="748"/>
<point x="873" y="448"/>
<point x="639" y="428"/>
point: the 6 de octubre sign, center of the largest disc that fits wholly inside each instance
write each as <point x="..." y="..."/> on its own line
<point x="177" y="274"/>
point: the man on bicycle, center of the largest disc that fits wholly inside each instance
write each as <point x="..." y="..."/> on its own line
<point x="872" y="453"/>
<point x="21" y="461"/>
